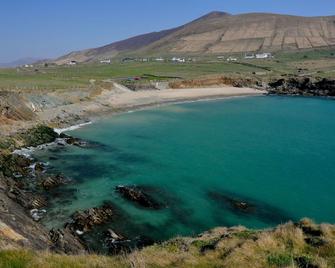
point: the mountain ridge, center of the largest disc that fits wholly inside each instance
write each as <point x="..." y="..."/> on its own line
<point x="220" y="32"/>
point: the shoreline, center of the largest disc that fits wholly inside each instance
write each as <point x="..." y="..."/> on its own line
<point x="60" y="111"/>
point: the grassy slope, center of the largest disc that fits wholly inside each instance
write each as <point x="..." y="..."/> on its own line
<point x="67" y="77"/>
<point x="288" y="245"/>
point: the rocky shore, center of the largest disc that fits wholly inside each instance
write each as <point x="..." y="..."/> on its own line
<point x="303" y="86"/>
<point x="25" y="190"/>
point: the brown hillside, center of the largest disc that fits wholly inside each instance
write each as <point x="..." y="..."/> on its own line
<point x="220" y="32"/>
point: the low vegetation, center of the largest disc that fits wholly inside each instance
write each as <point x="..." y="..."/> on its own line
<point x="317" y="63"/>
<point x="303" y="244"/>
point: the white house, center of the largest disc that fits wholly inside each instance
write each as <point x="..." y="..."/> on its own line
<point x="159" y="59"/>
<point x="106" y="61"/>
<point x="231" y="59"/>
<point x="73" y="62"/>
<point x="263" y="56"/>
<point x="180" y="60"/>
<point x="249" y="56"/>
<point x="220" y="57"/>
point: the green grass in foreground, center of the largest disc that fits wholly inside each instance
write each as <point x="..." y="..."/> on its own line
<point x="67" y="77"/>
<point x="288" y="245"/>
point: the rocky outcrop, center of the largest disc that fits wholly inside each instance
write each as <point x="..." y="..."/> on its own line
<point x="14" y="107"/>
<point x="138" y="196"/>
<point x="216" y="81"/>
<point x="13" y="165"/>
<point x="63" y="241"/>
<point x="84" y="221"/>
<point x="38" y="135"/>
<point x="52" y="181"/>
<point x="303" y="86"/>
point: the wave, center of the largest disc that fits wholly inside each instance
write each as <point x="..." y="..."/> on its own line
<point x="74" y="127"/>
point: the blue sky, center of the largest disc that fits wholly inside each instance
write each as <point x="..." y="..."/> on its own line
<point x="50" y="28"/>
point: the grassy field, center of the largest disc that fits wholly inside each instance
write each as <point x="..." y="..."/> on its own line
<point x="320" y="63"/>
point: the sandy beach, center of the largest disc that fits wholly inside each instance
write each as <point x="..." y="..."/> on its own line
<point x="110" y="101"/>
<point x="62" y="109"/>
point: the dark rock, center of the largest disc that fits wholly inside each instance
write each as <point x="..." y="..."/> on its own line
<point x="84" y="221"/>
<point x="315" y="241"/>
<point x="39" y="167"/>
<point x="14" y="165"/>
<point x="304" y="262"/>
<point x="26" y="199"/>
<point x="234" y="203"/>
<point x="74" y="141"/>
<point x="248" y="207"/>
<point x="308" y="229"/>
<point x="303" y="86"/>
<point x="53" y="181"/>
<point x="64" y="242"/>
<point x="137" y="195"/>
<point x="37" y="202"/>
<point x="116" y="243"/>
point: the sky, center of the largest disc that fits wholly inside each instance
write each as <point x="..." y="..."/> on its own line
<point x="51" y="28"/>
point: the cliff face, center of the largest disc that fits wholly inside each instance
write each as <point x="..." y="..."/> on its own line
<point x="13" y="106"/>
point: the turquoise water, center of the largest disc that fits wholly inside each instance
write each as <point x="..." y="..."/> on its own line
<point x="275" y="153"/>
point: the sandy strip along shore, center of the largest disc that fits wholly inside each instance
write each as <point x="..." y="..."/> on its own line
<point x="64" y="109"/>
<point x="111" y="102"/>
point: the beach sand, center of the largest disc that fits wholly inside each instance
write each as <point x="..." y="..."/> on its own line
<point x="75" y="111"/>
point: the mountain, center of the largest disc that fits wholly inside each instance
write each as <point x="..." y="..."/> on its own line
<point x="20" y="62"/>
<point x="220" y="32"/>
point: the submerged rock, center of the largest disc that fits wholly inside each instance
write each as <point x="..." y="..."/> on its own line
<point x="84" y="221"/>
<point x="137" y="195"/>
<point x="73" y="141"/>
<point x="234" y="203"/>
<point x="247" y="207"/>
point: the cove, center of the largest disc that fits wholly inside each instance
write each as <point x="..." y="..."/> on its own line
<point x="201" y="160"/>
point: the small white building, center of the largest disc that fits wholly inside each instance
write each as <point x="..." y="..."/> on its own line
<point x="73" y="62"/>
<point x="159" y="59"/>
<point x="231" y="59"/>
<point x="249" y="56"/>
<point x="106" y="61"/>
<point x="220" y="57"/>
<point x="180" y="60"/>
<point x="263" y="56"/>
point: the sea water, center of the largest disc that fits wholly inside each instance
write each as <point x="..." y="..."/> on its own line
<point x="201" y="159"/>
